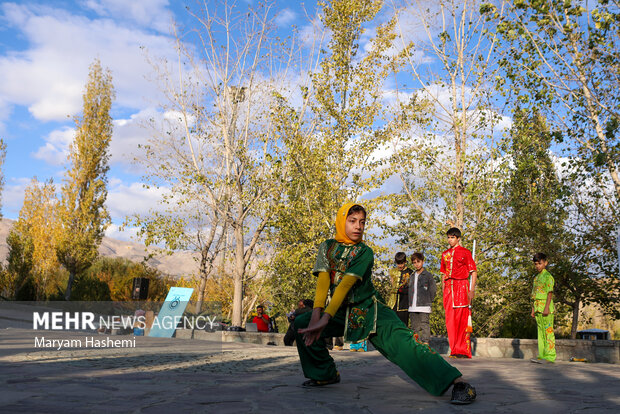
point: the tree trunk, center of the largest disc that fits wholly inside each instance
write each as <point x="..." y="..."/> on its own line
<point x="459" y="130"/>
<point x="573" y="328"/>
<point x="238" y="276"/>
<point x="459" y="178"/>
<point x="70" y="284"/>
<point x="201" y="287"/>
<point x="593" y="109"/>
<point x="206" y="261"/>
<point x="250" y="307"/>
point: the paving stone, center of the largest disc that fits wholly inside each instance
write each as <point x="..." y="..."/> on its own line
<point x="184" y="375"/>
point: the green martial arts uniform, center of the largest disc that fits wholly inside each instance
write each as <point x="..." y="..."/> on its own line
<point x="543" y="284"/>
<point x="363" y="315"/>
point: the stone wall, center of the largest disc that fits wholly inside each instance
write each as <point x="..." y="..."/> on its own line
<point x="592" y="351"/>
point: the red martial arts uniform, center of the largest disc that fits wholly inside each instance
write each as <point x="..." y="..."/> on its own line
<point x="456" y="264"/>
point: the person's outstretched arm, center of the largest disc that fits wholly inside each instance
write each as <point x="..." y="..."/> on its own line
<point x="318" y="322"/>
<point x="320" y="297"/>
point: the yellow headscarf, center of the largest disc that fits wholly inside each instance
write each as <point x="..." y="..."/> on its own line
<point x="341" y="218"/>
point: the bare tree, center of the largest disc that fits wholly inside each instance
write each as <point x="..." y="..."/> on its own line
<point x="450" y="153"/>
<point x="221" y="152"/>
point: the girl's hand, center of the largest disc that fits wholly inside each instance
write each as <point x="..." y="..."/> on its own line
<point x="316" y="315"/>
<point x="313" y="332"/>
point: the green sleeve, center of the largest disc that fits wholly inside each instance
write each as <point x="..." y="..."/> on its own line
<point x="321" y="264"/>
<point x="549" y="282"/>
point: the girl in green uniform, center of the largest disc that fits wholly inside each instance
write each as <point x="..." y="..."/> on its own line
<point x="356" y="311"/>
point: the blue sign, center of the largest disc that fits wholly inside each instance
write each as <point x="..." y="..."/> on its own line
<point x="171" y="312"/>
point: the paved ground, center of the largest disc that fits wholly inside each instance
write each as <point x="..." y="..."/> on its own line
<point x="185" y="376"/>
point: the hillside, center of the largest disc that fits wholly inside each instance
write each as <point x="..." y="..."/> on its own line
<point x="177" y="264"/>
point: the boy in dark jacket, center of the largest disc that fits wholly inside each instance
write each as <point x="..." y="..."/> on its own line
<point x="422" y="290"/>
<point x="402" y="291"/>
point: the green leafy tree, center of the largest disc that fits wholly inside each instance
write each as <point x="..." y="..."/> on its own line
<point x="91" y="290"/>
<point x="534" y="189"/>
<point x="544" y="217"/>
<point x="112" y="278"/>
<point x="537" y="216"/>
<point x="82" y="213"/>
<point x="19" y="281"/>
<point x="329" y="140"/>
<point x="563" y="57"/>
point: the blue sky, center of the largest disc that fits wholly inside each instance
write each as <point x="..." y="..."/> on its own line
<point x="46" y="48"/>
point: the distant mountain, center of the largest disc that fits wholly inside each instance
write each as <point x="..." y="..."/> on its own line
<point x="178" y="264"/>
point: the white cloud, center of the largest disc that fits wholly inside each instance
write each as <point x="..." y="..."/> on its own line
<point x="285" y="17"/>
<point x="128" y="199"/>
<point x="504" y="124"/>
<point x="56" y="148"/>
<point x="123" y="199"/>
<point x="146" y="13"/>
<point x="442" y="95"/>
<point x="314" y="34"/>
<point x="49" y="76"/>
<point x="5" y="114"/>
<point x="414" y="21"/>
<point x="13" y="196"/>
<point x="128" y="134"/>
<point x="129" y="234"/>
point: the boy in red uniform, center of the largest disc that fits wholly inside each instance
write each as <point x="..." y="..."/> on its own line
<point x="457" y="265"/>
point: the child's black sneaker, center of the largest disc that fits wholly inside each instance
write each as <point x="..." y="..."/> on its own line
<point x="463" y="393"/>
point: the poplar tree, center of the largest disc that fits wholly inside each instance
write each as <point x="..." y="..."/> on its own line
<point x="6" y="282"/>
<point x="82" y="213"/>
<point x="32" y="261"/>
